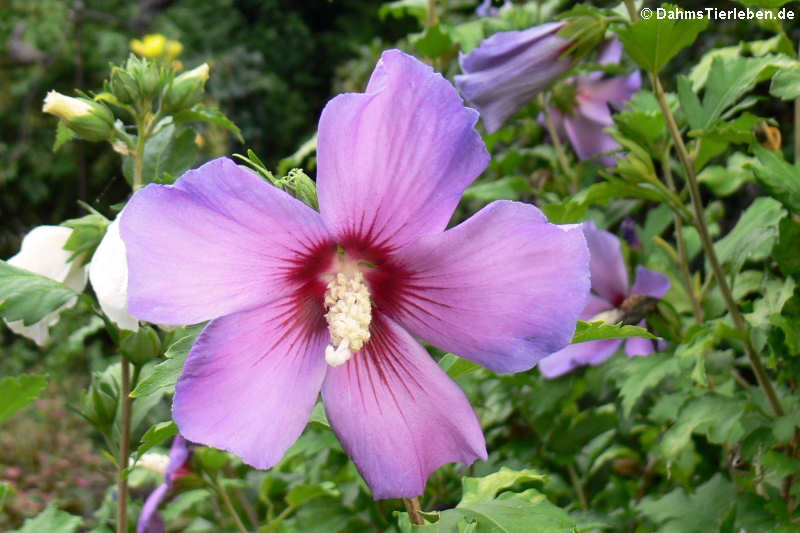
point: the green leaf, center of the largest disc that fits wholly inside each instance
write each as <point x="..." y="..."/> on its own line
<point x="785" y="251"/>
<point x="318" y="416"/>
<point x="30" y="297"/>
<point x="168" y="154"/>
<point x="724" y="181"/>
<point x="480" y="489"/>
<point x="456" y="367"/>
<point x="87" y="232"/>
<point x="514" y="513"/>
<point x="781" y="463"/>
<point x="63" y="136"/>
<point x="776" y="293"/>
<point x="712" y="414"/>
<point x="433" y="42"/>
<point x="296" y="159"/>
<point x="300" y="494"/>
<point x="652" y="43"/>
<point x="508" y="188"/>
<point x="201" y="113"/>
<point x="18" y="391"/>
<point x="599" y="331"/>
<point x="155" y="436"/>
<point x="702" y="512"/>
<point x="728" y="80"/>
<point x="165" y="374"/>
<point x="786" y="84"/>
<point x="51" y="520"/>
<point x="753" y="236"/>
<point x="642" y="373"/>
<point x="401" y="8"/>
<point x="6" y="490"/>
<point x="781" y="179"/>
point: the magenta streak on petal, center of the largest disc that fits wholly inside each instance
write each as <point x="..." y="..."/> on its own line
<point x="397" y="413"/>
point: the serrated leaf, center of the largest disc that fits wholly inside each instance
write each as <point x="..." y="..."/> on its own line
<point x="300" y="494"/>
<point x="18" y="391"/>
<point x="30" y="297"/>
<point x="652" y="43"/>
<point x="201" y="113"/>
<point x="714" y="415"/>
<point x="600" y="331"/>
<point x="165" y="374"/>
<point x="508" y="188"/>
<point x="515" y="512"/>
<point x="724" y="181"/>
<point x="456" y="366"/>
<point x="63" y="136"/>
<point x="480" y="489"/>
<point x="780" y="178"/>
<point x="168" y="153"/>
<point x="51" y="520"/>
<point x="433" y="42"/>
<point x="701" y="512"/>
<point x="642" y="373"/>
<point x="753" y="236"/>
<point x="786" y="84"/>
<point x="154" y="436"/>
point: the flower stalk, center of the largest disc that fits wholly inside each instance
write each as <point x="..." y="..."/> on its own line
<point x="559" y="148"/>
<point x="226" y="499"/>
<point x="124" y="449"/>
<point x="414" y="509"/>
<point x="683" y="260"/>
<point x="708" y="247"/>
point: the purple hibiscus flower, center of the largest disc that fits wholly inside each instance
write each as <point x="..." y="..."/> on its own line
<point x="150" y="520"/>
<point x="488" y="9"/>
<point x="609" y="291"/>
<point x="509" y="68"/>
<point x="303" y="301"/>
<point x="583" y="125"/>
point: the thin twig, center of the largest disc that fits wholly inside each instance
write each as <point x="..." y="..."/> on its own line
<point x="229" y="506"/>
<point x="708" y="246"/>
<point x="559" y="148"/>
<point x="578" y="486"/>
<point x="683" y="263"/>
<point x="414" y="509"/>
<point x="124" y="448"/>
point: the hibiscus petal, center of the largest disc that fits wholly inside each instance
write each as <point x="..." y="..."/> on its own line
<point x="575" y="355"/>
<point x="220" y="240"/>
<point x="397" y="413"/>
<point x="609" y="275"/>
<point x="616" y="91"/>
<point x="251" y="380"/>
<point x="595" y="306"/>
<point x="393" y="161"/>
<point x="504" y="288"/>
<point x="587" y="136"/>
<point x="108" y="273"/>
<point x="650" y="283"/>
<point x="150" y="520"/>
<point x="509" y="68"/>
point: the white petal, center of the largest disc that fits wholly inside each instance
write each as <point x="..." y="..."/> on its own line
<point x="42" y="253"/>
<point x="108" y="273"/>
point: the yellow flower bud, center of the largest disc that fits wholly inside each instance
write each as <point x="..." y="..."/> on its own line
<point x="151" y="45"/>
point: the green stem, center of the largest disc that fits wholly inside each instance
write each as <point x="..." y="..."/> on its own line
<point x="124" y="449"/>
<point x="229" y="506"/>
<point x="559" y="148"/>
<point x="432" y="18"/>
<point x="683" y="263"/>
<point x="708" y="246"/>
<point x="578" y="486"/>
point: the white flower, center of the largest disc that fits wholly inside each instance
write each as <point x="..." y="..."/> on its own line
<point x="42" y="252"/>
<point x="108" y="273"/>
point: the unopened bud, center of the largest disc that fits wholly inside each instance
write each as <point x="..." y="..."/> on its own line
<point x="585" y="32"/>
<point x="123" y="86"/>
<point x="186" y="89"/>
<point x="91" y="120"/>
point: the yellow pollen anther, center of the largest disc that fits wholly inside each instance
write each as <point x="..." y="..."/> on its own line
<point x="349" y="315"/>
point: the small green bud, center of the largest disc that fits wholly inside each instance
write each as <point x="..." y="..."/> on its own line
<point x="123" y="86"/>
<point x="99" y="403"/>
<point x="141" y="346"/>
<point x="585" y="32"/>
<point x="186" y="89"/>
<point x="91" y="120"/>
